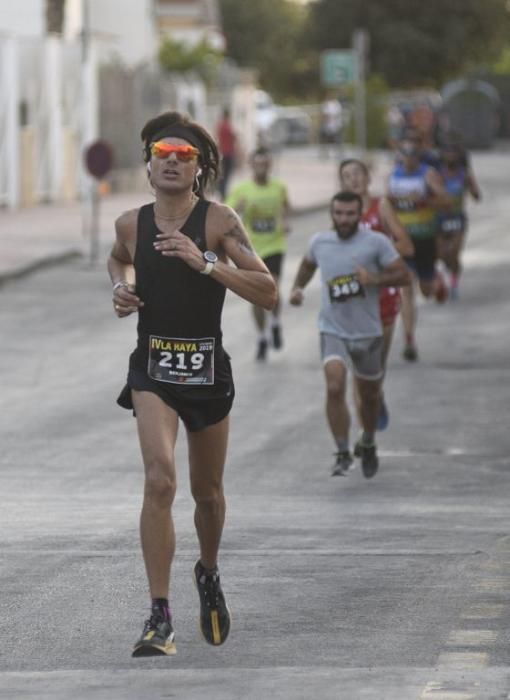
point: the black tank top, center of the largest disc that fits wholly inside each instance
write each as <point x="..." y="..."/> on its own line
<point x="178" y="302"/>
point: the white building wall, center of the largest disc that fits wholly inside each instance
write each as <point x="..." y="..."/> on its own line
<point x="22" y="17"/>
<point x="124" y="31"/>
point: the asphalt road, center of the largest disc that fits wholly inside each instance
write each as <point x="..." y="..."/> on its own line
<point x="395" y="588"/>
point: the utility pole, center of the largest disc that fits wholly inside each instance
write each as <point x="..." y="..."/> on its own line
<point x="88" y="132"/>
<point x="360" y="47"/>
<point x="10" y="139"/>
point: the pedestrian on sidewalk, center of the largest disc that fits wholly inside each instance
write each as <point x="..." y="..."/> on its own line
<point x="330" y="129"/>
<point x="263" y="204"/>
<point x="169" y="264"/>
<point x="354" y="263"/>
<point x="228" y="145"/>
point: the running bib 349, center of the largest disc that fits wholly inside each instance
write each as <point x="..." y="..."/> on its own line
<point x="344" y="287"/>
<point x="188" y="361"/>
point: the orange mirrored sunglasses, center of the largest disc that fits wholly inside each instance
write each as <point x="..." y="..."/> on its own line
<point x="183" y="152"/>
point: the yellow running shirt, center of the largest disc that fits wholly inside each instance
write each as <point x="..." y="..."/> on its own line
<point x="262" y="209"/>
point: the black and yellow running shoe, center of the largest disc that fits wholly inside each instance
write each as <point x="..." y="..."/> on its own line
<point x="214" y="614"/>
<point x="158" y="638"/>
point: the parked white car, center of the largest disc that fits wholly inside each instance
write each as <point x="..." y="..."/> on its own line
<point x="266" y="115"/>
<point x="277" y="125"/>
<point x="295" y="125"/>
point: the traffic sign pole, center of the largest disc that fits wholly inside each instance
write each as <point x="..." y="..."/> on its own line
<point x="360" y="44"/>
<point x="94" y="223"/>
<point x="98" y="162"/>
<point x="338" y="67"/>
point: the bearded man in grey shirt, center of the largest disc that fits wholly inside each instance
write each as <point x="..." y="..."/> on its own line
<point x="354" y="262"/>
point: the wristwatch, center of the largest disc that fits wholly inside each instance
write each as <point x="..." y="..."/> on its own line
<point x="210" y="258"/>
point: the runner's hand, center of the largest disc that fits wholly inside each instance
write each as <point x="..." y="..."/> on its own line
<point x="177" y="245"/>
<point x="364" y="277"/>
<point x="296" y="297"/>
<point x="125" y="301"/>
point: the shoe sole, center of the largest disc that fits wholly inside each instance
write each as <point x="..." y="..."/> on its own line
<point x="367" y="475"/>
<point x="343" y="471"/>
<point x="145" y="650"/>
<point x="410" y="359"/>
<point x="214" y="621"/>
<point x="370" y="474"/>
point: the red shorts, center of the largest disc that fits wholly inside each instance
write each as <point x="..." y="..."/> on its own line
<point x="389" y="304"/>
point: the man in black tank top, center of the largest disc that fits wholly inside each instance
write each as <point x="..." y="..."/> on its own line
<point x="169" y="264"/>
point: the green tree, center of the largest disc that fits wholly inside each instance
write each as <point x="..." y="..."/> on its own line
<point x="502" y="65"/>
<point x="414" y="42"/>
<point x="179" y="57"/>
<point x="268" y="35"/>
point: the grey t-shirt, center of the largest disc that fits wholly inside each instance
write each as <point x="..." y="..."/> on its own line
<point x="349" y="310"/>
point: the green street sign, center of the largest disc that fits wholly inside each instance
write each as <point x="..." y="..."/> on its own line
<point x="338" y="67"/>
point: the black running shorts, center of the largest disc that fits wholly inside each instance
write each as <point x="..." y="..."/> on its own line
<point x="423" y="262"/>
<point x="274" y="264"/>
<point x="197" y="407"/>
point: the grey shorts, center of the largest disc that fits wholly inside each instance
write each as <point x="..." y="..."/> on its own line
<point x="363" y="355"/>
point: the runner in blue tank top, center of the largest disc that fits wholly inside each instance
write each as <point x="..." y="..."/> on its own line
<point x="169" y="264"/>
<point x="416" y="192"/>
<point x="459" y="179"/>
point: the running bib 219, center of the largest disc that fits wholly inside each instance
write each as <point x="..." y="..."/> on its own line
<point x="344" y="287"/>
<point x="188" y="361"/>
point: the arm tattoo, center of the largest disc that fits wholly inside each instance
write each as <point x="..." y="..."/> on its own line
<point x="243" y="242"/>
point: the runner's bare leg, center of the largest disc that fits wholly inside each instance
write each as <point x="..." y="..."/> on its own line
<point x="207" y="455"/>
<point x="157" y="431"/>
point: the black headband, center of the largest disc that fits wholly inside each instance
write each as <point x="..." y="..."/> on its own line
<point x="177" y="131"/>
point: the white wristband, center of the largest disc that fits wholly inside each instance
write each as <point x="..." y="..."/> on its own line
<point x="120" y="284"/>
<point x="209" y="267"/>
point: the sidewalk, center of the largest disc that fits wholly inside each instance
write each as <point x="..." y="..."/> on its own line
<point x="48" y="234"/>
